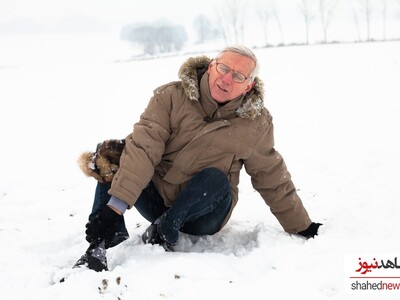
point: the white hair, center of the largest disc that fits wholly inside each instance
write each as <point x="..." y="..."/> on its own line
<point x="242" y="50"/>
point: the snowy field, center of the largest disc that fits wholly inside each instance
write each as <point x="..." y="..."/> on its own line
<point x="336" y="112"/>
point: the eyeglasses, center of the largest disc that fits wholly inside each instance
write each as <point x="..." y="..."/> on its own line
<point x="224" y="69"/>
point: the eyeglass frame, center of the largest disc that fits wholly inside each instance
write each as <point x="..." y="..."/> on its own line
<point x="228" y="70"/>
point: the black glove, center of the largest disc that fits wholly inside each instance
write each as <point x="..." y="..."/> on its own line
<point x="102" y="227"/>
<point x="311" y="231"/>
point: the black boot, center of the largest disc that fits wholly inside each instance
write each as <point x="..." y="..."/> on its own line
<point x="94" y="258"/>
<point x="151" y="236"/>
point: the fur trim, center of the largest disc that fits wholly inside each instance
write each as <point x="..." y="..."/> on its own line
<point x="190" y="73"/>
<point x="253" y="103"/>
<point x="104" y="163"/>
<point x="87" y="165"/>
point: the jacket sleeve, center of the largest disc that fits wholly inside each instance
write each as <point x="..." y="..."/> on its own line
<point x="143" y="150"/>
<point x="270" y="177"/>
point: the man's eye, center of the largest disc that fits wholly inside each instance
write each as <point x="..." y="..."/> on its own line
<point x="225" y="70"/>
<point x="238" y="77"/>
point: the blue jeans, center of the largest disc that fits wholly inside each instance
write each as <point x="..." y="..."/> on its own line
<point x="199" y="209"/>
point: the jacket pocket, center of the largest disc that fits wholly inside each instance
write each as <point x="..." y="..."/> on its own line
<point x="191" y="163"/>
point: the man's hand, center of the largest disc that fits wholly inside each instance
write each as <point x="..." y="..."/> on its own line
<point x="102" y="227"/>
<point x="311" y="231"/>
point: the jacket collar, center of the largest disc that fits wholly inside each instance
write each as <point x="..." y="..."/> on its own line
<point x="193" y="69"/>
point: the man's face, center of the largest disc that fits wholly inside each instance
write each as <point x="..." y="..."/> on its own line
<point x="225" y="87"/>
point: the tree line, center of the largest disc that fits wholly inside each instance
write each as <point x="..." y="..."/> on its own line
<point x="231" y="20"/>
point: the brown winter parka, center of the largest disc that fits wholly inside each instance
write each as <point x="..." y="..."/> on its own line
<point x="183" y="130"/>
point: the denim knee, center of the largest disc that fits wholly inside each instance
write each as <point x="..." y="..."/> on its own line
<point x="218" y="178"/>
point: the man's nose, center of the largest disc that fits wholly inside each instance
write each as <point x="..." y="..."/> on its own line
<point x="228" y="77"/>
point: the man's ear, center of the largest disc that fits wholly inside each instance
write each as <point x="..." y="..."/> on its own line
<point x="210" y="65"/>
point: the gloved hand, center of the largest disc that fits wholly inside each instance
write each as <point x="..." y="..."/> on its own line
<point x="102" y="227"/>
<point x="311" y="231"/>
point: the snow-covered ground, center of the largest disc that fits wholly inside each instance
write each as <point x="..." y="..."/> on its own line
<point x="336" y="113"/>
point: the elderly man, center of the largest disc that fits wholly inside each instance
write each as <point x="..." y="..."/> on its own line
<point x="180" y="166"/>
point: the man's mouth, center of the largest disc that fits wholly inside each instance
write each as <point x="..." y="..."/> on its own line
<point x="221" y="88"/>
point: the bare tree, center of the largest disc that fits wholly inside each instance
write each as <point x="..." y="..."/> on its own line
<point x="367" y="8"/>
<point x="384" y="15"/>
<point x="157" y="38"/>
<point x="263" y="11"/>
<point x="231" y="20"/>
<point x="326" y="10"/>
<point x="236" y="10"/>
<point x="204" y="28"/>
<point x="275" y="14"/>
<point x="356" y="21"/>
<point x="308" y="16"/>
<point x="222" y="24"/>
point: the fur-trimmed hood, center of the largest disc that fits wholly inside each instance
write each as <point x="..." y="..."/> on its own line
<point x="190" y="73"/>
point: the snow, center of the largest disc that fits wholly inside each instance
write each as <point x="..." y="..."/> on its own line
<point x="335" y="110"/>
